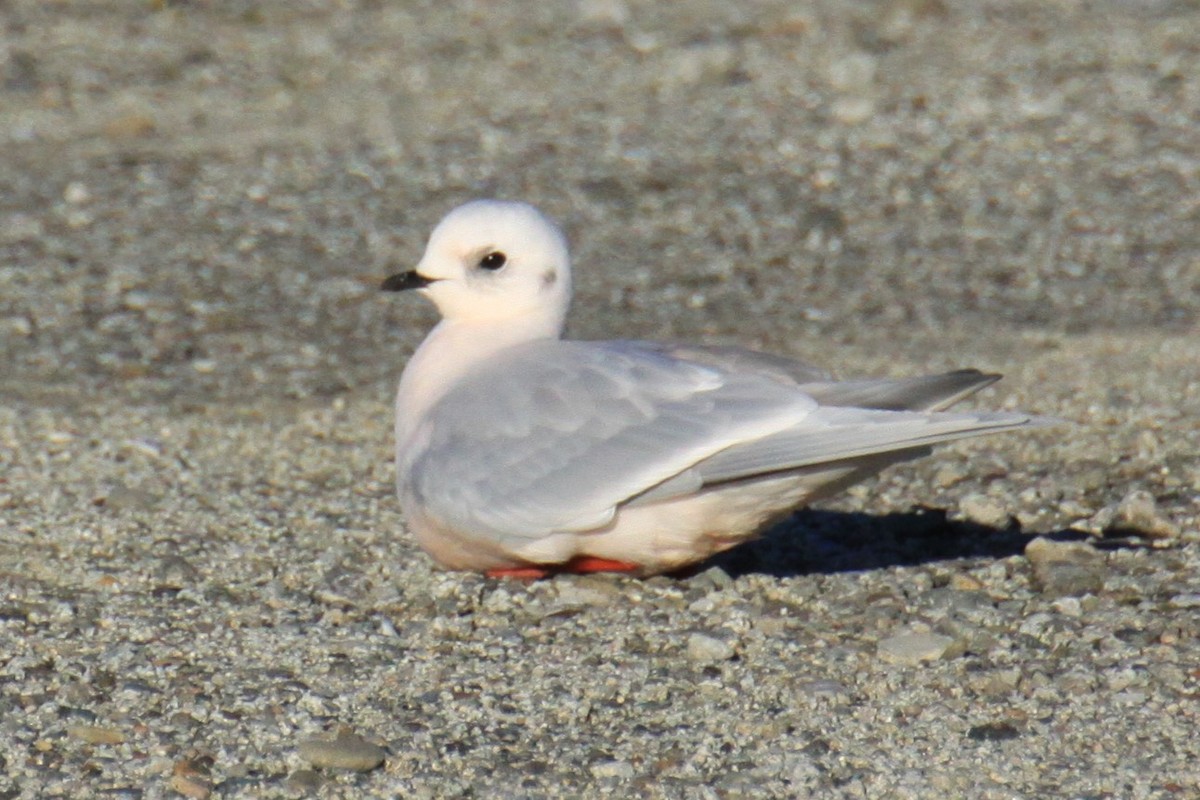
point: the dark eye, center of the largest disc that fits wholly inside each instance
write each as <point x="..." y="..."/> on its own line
<point x="493" y="261"/>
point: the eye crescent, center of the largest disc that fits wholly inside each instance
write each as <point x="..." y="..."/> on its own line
<point x="493" y="261"/>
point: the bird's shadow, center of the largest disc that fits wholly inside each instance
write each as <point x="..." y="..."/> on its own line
<point x="824" y="541"/>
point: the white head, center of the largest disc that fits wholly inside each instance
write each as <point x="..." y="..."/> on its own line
<point x="492" y="261"/>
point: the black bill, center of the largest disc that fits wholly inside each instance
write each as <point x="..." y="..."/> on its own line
<point x="403" y="281"/>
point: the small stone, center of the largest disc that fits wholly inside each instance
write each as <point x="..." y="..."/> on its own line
<point x="20" y="228"/>
<point x="697" y="64"/>
<point x="1069" y="606"/>
<point x="853" y="110"/>
<point x="130" y="498"/>
<point x="22" y="73"/>
<point x="18" y="326"/>
<point x="715" y="577"/>
<point x="1190" y="600"/>
<point x="1138" y="514"/>
<point x="137" y="301"/>
<point x="965" y="583"/>
<point x="130" y="126"/>
<point x="918" y="648"/>
<point x="603" y="13"/>
<point x="191" y="786"/>
<point x="78" y="218"/>
<point x="305" y="781"/>
<point x="984" y="510"/>
<point x="993" y="732"/>
<point x="347" y="751"/>
<point x="822" y="687"/>
<point x="1065" y="568"/>
<point x="94" y="734"/>
<point x="76" y="193"/>
<point x="176" y="572"/>
<point x="900" y="18"/>
<point x="195" y="770"/>
<point x="192" y="777"/>
<point x="707" y="649"/>
<point x="994" y="682"/>
<point x="949" y="474"/>
<point x="612" y="769"/>
<point x="853" y="72"/>
<point x="586" y="592"/>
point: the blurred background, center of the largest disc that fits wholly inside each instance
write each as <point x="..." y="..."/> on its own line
<point x="197" y="198"/>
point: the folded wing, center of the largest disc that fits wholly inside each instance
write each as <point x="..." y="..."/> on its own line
<point x="553" y="435"/>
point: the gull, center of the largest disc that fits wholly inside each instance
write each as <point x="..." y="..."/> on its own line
<point x="521" y="454"/>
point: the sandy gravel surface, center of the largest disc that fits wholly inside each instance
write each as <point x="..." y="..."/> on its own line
<point x="206" y="589"/>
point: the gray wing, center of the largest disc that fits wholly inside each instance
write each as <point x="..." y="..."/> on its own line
<point x="836" y="434"/>
<point x="866" y="439"/>
<point x="554" y="435"/>
<point x="925" y="393"/>
<point x="846" y="428"/>
<point x="736" y="359"/>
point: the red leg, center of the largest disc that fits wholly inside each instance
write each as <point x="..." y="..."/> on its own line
<point x="585" y="564"/>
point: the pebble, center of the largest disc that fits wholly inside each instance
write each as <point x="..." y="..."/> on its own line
<point x="18" y="326"/>
<point x="1138" y="513"/>
<point x="21" y="73"/>
<point x="586" y="592"/>
<point x="304" y="781"/>
<point x="1190" y="600"/>
<point x="130" y="126"/>
<point x="852" y="72"/>
<point x="950" y="474"/>
<point x="613" y="769"/>
<point x="707" y="649"/>
<point x="853" y="110"/>
<point x="965" y="583"/>
<point x="20" y="228"/>
<point x="984" y="510"/>
<point x="715" y="577"/>
<point x="76" y="193"/>
<point x="190" y="786"/>
<point x="822" y="687"/>
<point x="95" y="734"/>
<point x="347" y="751"/>
<point x="993" y="732"/>
<point x="123" y="498"/>
<point x="917" y="648"/>
<point x="603" y="13"/>
<point x="1068" y="606"/>
<point x="1065" y="568"/>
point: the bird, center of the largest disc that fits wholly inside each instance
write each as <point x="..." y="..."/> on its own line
<point x="521" y="454"/>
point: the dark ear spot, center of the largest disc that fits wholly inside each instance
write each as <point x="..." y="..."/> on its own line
<point x="549" y="278"/>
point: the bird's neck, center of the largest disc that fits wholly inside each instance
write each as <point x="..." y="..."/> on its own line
<point x="450" y="351"/>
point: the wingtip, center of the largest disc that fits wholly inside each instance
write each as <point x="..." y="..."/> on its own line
<point x="1038" y="421"/>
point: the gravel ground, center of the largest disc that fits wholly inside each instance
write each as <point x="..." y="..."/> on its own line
<point x="206" y="588"/>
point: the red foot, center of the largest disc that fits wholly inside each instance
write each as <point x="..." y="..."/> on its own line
<point x="580" y="565"/>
